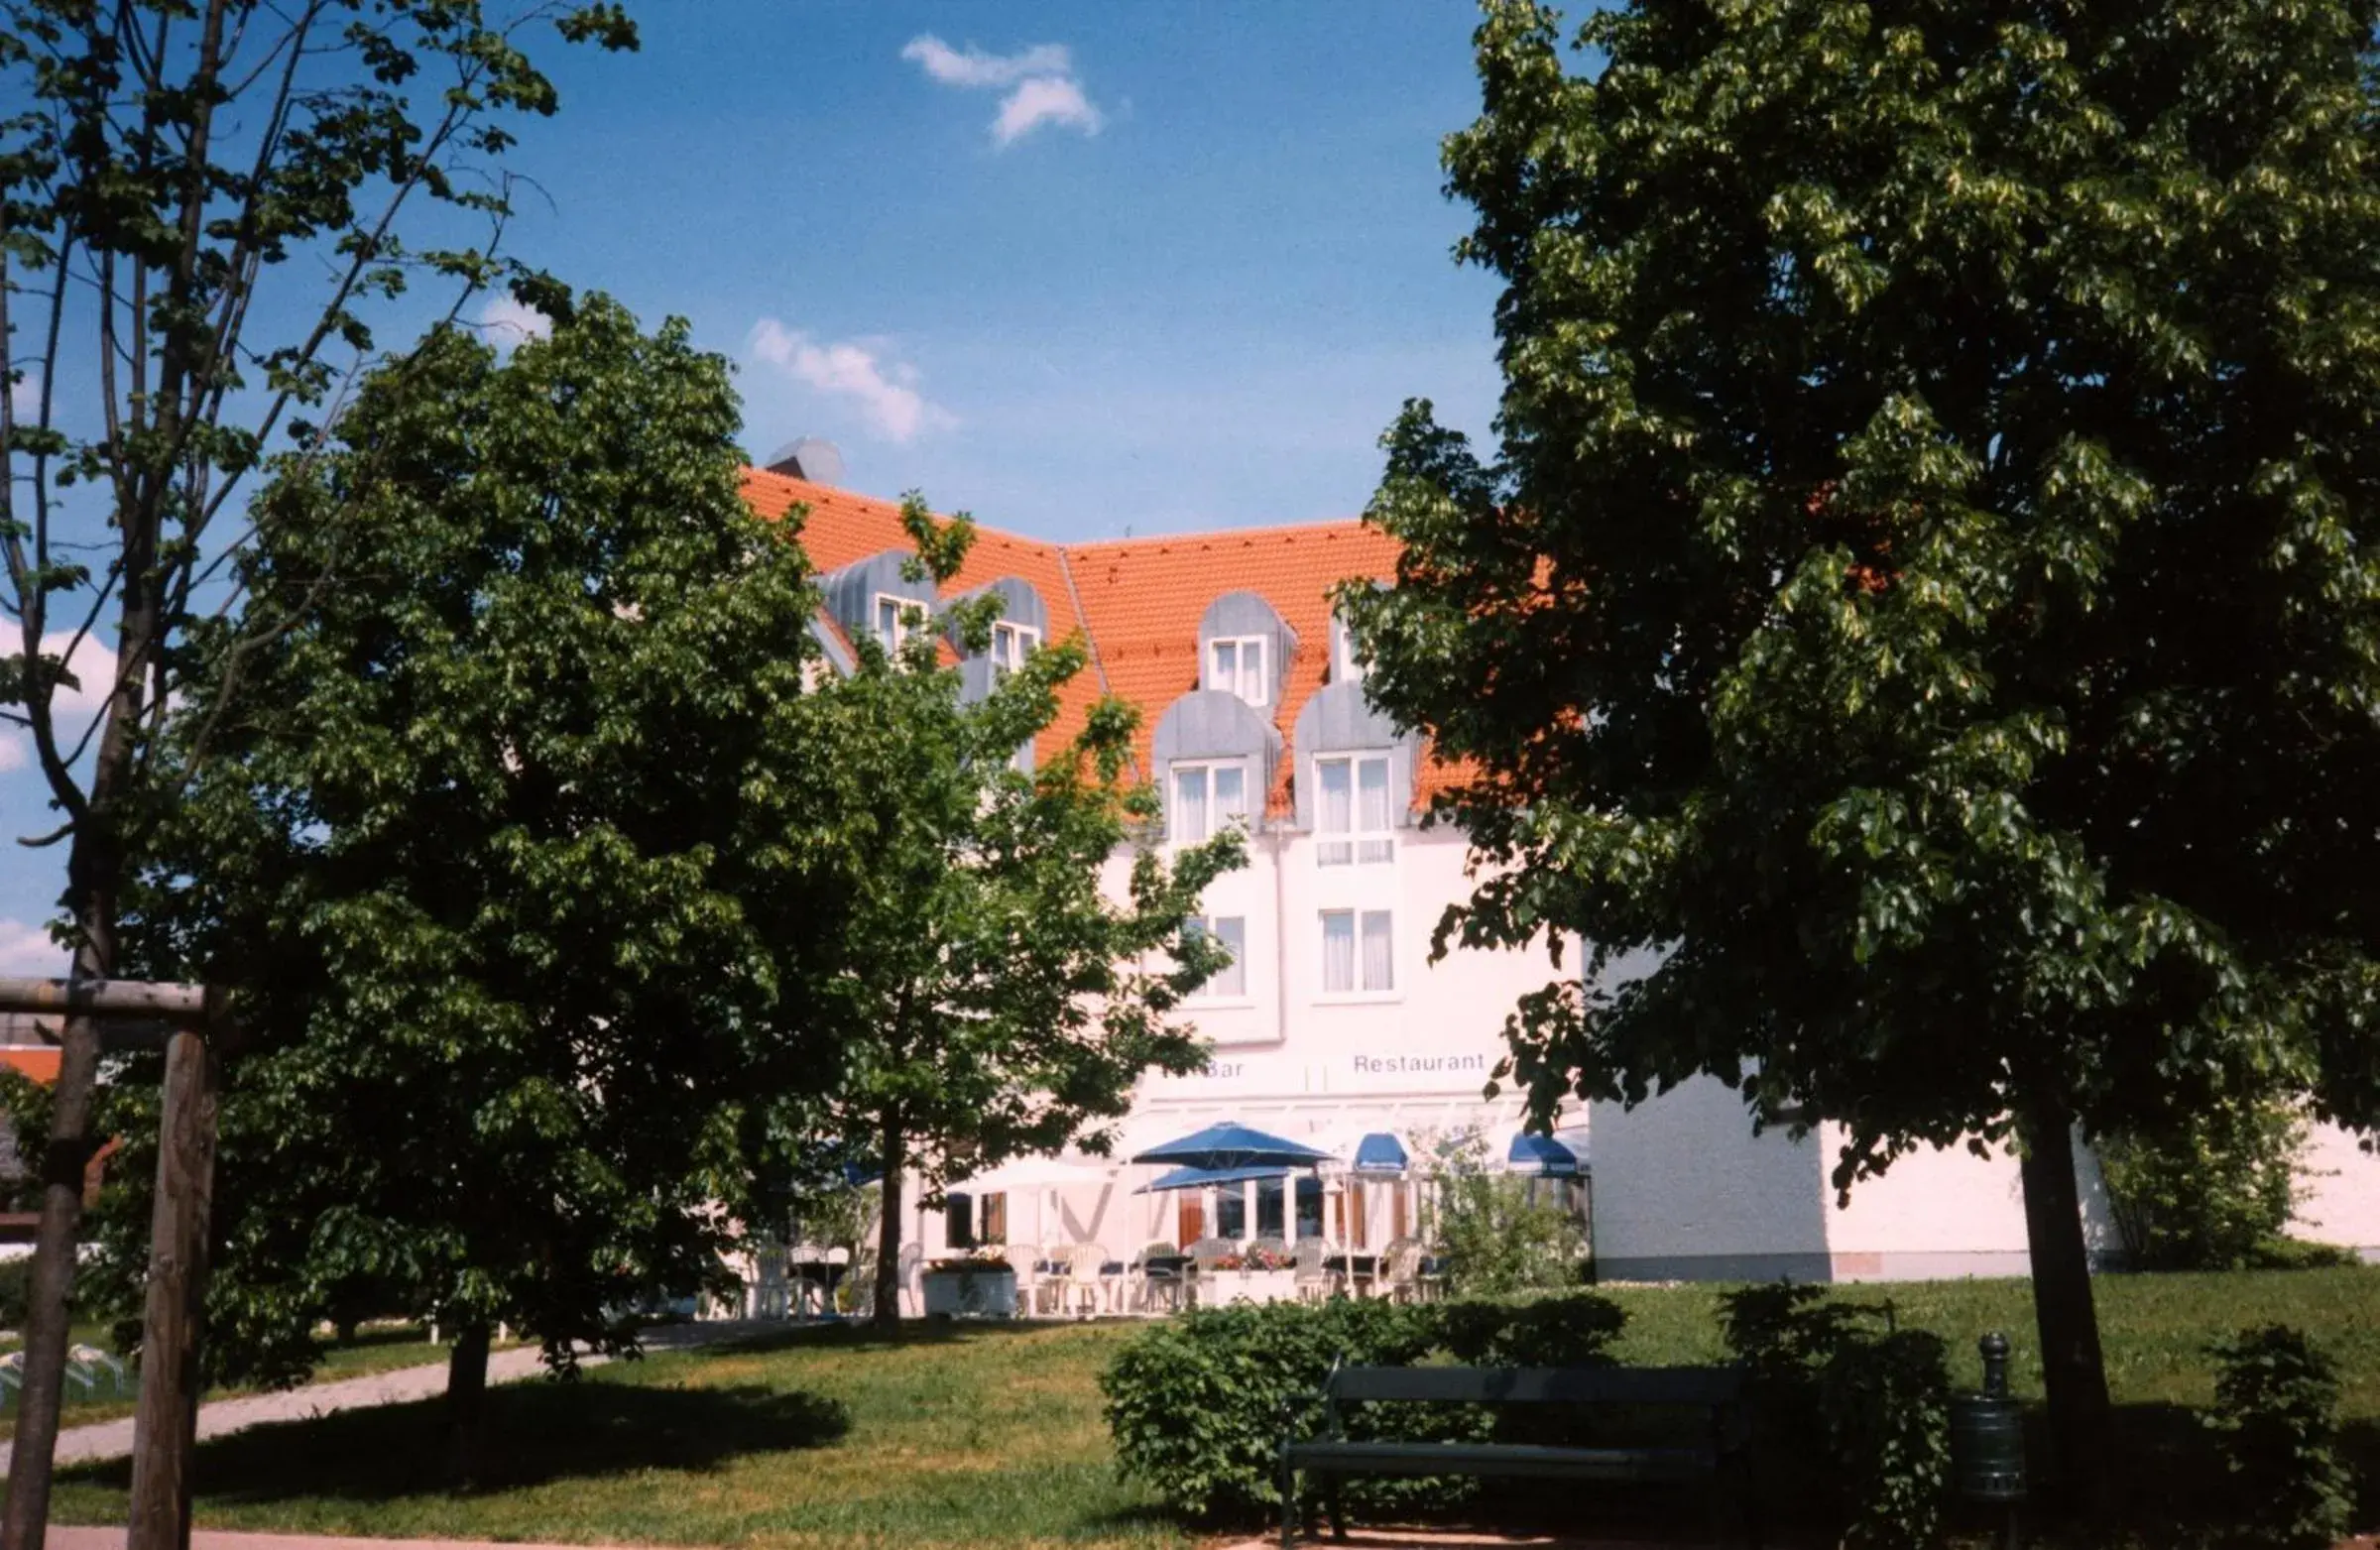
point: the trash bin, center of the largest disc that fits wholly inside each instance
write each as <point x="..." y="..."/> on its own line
<point x="1988" y="1437"/>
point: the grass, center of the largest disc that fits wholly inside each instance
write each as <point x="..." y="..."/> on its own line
<point x="991" y="1436"/>
<point x="370" y="1351"/>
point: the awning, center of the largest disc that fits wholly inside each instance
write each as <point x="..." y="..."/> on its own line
<point x="1543" y="1156"/>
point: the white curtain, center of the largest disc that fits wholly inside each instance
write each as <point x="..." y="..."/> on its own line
<point x="1338" y="950"/>
<point x="1231" y="794"/>
<point x="1189" y="806"/>
<point x="1371" y="806"/>
<point x="1338" y="812"/>
<point x="1231" y="932"/>
<point x="1379" y="958"/>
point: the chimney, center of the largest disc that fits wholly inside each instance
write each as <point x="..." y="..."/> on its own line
<point x="814" y="459"/>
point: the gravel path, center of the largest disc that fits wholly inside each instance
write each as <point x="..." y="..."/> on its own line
<point x="113" y="1439"/>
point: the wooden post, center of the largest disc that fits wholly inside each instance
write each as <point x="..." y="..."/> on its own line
<point x="165" y="1427"/>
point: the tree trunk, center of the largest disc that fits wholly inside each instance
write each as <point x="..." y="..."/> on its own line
<point x="2072" y="1366"/>
<point x="466" y="1402"/>
<point x="887" y="1231"/>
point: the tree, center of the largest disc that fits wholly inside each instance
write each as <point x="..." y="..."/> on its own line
<point x="509" y="835"/>
<point x="199" y="203"/>
<point x="1920" y="600"/>
<point x="1495" y="1236"/>
<point x="991" y="999"/>
<point x="2213" y="1193"/>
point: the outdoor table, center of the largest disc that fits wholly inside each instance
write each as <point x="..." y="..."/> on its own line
<point x="819" y="1275"/>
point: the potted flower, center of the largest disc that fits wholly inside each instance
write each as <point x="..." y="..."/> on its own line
<point x="980" y="1281"/>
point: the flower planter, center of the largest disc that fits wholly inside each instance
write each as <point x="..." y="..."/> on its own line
<point x="986" y="1293"/>
<point x="1217" y="1288"/>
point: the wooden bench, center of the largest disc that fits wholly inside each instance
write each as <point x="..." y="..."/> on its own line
<point x="1716" y="1391"/>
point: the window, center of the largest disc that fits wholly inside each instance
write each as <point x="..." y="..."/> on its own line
<point x="993" y="1214"/>
<point x="1344" y="667"/>
<point x="1230" y="982"/>
<point x="1205" y="798"/>
<point x="1011" y="645"/>
<point x="895" y="617"/>
<point x="958" y="1220"/>
<point x="1237" y="666"/>
<point x="1358" y="952"/>
<point x="1351" y="815"/>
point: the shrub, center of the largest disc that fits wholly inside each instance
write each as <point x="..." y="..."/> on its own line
<point x="2211" y="1193"/>
<point x="1848" y="1406"/>
<point x="1196" y="1405"/>
<point x="1494" y="1238"/>
<point x="2276" y="1404"/>
<point x="1886" y="1403"/>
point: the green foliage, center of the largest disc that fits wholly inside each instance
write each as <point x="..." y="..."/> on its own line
<point x="1886" y="1406"/>
<point x="1494" y="1237"/>
<point x="2210" y="1192"/>
<point x="1916" y="628"/>
<point x="1841" y="1396"/>
<point x="990" y="997"/>
<point x="2276" y="1420"/>
<point x="513" y="827"/>
<point x="1197" y="1406"/>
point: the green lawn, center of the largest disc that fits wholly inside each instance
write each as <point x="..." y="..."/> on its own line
<point x="372" y="1351"/>
<point x="989" y="1436"/>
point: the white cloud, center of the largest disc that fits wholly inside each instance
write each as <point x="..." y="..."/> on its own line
<point x="28" y="950"/>
<point x="507" y="322"/>
<point x="972" y="67"/>
<point x="884" y="391"/>
<point x="1043" y="88"/>
<point x="74" y="707"/>
<point x="1044" y="100"/>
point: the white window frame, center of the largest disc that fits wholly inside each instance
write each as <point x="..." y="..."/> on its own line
<point x="1206" y="768"/>
<point x="1022" y="640"/>
<point x="1261" y="680"/>
<point x="1344" y="667"/>
<point x="903" y="607"/>
<point x="1356" y="845"/>
<point x="1207" y="995"/>
<point x="1359" y="988"/>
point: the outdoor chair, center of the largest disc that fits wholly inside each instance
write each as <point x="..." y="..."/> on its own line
<point x="1315" y="1280"/>
<point x="1086" y="1276"/>
<point x="772" y="1297"/>
<point x="1031" y="1284"/>
<point x="1158" y="1283"/>
<point x="912" y="1298"/>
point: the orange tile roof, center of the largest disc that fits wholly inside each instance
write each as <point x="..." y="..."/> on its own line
<point x="1140" y="599"/>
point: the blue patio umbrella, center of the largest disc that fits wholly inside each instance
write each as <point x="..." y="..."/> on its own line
<point x="1541" y="1156"/>
<point x="1201" y="1178"/>
<point x="1231" y="1145"/>
<point x="1379" y="1153"/>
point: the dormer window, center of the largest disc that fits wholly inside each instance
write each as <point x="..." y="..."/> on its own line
<point x="895" y="617"/>
<point x="1236" y="665"/>
<point x="1011" y="645"/>
<point x="1353" y="824"/>
<point x="1345" y="668"/>
<point x="1206" y="797"/>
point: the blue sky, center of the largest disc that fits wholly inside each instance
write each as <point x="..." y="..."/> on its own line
<point x="1081" y="270"/>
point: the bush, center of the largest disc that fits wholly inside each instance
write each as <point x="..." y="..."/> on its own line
<point x="2276" y="1419"/>
<point x="2211" y="1194"/>
<point x="1196" y="1405"/>
<point x="1494" y="1238"/>
<point x="1886" y="1405"/>
<point x="1849" y="1404"/>
<point x="16" y="1283"/>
